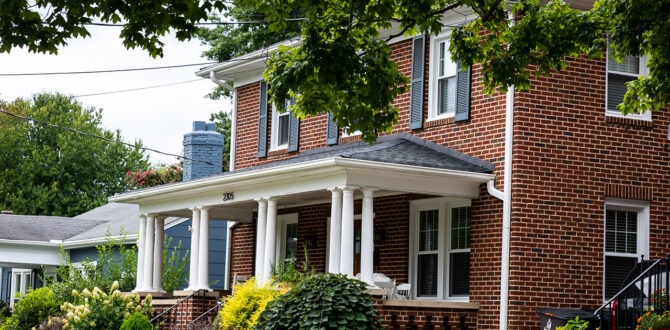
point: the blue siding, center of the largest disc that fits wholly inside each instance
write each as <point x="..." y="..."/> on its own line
<point x="217" y="247"/>
<point x="79" y="255"/>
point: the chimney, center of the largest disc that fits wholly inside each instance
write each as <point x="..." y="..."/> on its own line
<point x="203" y="144"/>
<point x="6" y="212"/>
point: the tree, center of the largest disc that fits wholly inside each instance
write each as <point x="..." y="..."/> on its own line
<point x="344" y="66"/>
<point x="223" y="127"/>
<point x="48" y="24"/>
<point x="50" y="171"/>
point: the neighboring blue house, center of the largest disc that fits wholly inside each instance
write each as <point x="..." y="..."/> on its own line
<point x="31" y="243"/>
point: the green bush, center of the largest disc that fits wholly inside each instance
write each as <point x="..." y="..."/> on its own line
<point x="242" y="309"/>
<point x="137" y="321"/>
<point x="322" y="301"/>
<point x="287" y="272"/>
<point x="32" y="309"/>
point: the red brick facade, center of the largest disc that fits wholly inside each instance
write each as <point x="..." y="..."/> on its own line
<point x="568" y="156"/>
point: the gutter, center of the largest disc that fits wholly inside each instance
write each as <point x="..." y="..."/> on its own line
<point x="233" y="124"/>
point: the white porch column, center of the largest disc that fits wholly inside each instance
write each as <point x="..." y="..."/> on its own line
<point x="347" y="256"/>
<point x="270" y="238"/>
<point x="203" y="253"/>
<point x="159" y="238"/>
<point x="367" y="236"/>
<point x="195" y="238"/>
<point x="260" y="237"/>
<point x="139" y="282"/>
<point x="335" y="231"/>
<point x="148" y="255"/>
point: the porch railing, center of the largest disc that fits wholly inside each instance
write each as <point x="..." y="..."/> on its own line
<point x="167" y="318"/>
<point x="648" y="289"/>
<point x="207" y="313"/>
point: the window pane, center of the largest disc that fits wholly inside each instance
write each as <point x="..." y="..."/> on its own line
<point x="427" y="275"/>
<point x="616" y="89"/>
<point x="616" y="272"/>
<point x="442" y="46"/>
<point x="291" y="240"/>
<point x="631" y="64"/>
<point x="282" y="129"/>
<point x="460" y="228"/>
<point x="621" y="231"/>
<point x="428" y="230"/>
<point x="17" y="279"/>
<point x="459" y="274"/>
<point x="447" y="95"/>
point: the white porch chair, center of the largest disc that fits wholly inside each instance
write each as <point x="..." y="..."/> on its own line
<point x="404" y="291"/>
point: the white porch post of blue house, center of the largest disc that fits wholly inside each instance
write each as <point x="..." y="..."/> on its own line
<point x="139" y="282"/>
<point x="195" y="235"/>
<point x="260" y="237"/>
<point x="347" y="256"/>
<point x="203" y="253"/>
<point x="367" y="236"/>
<point x="147" y="277"/>
<point x="159" y="238"/>
<point x="335" y="231"/>
<point x="270" y="238"/>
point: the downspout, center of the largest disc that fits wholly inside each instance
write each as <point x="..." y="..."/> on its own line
<point x="233" y="124"/>
<point x="506" y="197"/>
<point x="231" y="167"/>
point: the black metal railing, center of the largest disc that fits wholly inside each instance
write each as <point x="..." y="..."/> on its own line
<point x="167" y="319"/>
<point x="203" y="317"/>
<point x="645" y="289"/>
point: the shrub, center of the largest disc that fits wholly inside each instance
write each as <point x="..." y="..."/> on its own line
<point x="322" y="301"/>
<point x="241" y="310"/>
<point x="33" y="309"/>
<point x="576" y="324"/>
<point x="99" y="310"/>
<point x="286" y="272"/>
<point x="137" y="321"/>
<point x="651" y="320"/>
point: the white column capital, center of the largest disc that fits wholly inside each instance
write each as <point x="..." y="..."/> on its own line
<point x="205" y="207"/>
<point x="368" y="190"/>
<point x="335" y="189"/>
<point x="273" y="199"/>
<point x="347" y="188"/>
<point x="261" y="200"/>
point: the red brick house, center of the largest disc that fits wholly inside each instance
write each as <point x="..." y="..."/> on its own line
<point x="490" y="207"/>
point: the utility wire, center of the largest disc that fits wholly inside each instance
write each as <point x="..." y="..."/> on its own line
<point x="4" y="111"/>
<point x="139" y="88"/>
<point x="297" y="19"/>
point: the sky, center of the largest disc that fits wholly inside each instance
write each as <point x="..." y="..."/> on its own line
<point x="159" y="117"/>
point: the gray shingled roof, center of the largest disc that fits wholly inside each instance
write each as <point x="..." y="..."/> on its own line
<point x="42" y="228"/>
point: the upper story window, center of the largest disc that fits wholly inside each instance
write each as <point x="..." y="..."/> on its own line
<point x="443" y="82"/>
<point x="618" y="74"/>
<point x="280" y="124"/>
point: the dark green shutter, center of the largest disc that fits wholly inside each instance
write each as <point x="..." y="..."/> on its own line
<point x="416" y="83"/>
<point x="293" y="130"/>
<point x="462" y="94"/>
<point x="263" y="121"/>
<point x="332" y="132"/>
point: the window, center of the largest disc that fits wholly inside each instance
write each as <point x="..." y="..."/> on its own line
<point x="626" y="239"/>
<point x="287" y="236"/>
<point x="21" y="282"/>
<point x="279" y="139"/>
<point x="291" y="241"/>
<point x="618" y="74"/>
<point x="442" y="85"/>
<point x="440" y="242"/>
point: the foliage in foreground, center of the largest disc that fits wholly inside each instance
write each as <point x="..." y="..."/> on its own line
<point x="32" y="309"/>
<point x="575" y="324"/>
<point x="51" y="171"/>
<point x="320" y="302"/>
<point x="137" y="321"/>
<point x="241" y="310"/>
<point x="153" y="176"/>
<point x="286" y="273"/>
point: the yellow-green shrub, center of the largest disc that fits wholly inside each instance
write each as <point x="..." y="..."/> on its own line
<point x="241" y="310"/>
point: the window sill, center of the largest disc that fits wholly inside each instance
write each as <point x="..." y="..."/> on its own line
<point x="628" y="121"/>
<point x="438" y="122"/>
<point x="277" y="152"/>
<point x="432" y="304"/>
<point x="348" y="139"/>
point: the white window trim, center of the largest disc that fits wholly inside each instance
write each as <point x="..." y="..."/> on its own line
<point x="444" y="205"/>
<point x="434" y="67"/>
<point x="642" y="209"/>
<point x="282" y="221"/>
<point x="23" y="272"/>
<point x="646" y="116"/>
<point x="274" y="131"/>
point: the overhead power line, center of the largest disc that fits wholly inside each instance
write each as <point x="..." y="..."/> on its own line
<point x="297" y="19"/>
<point x="139" y="88"/>
<point x="4" y="111"/>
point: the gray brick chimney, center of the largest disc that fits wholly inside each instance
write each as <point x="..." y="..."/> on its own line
<point x="203" y="144"/>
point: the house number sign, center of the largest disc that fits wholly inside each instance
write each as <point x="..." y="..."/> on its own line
<point x="228" y="196"/>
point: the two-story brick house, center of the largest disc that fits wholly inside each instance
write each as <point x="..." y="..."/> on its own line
<point x="489" y="206"/>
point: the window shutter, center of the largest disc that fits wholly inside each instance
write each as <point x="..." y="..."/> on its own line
<point x="332" y="132"/>
<point x="462" y="94"/>
<point x="293" y="132"/>
<point x="416" y="83"/>
<point x="263" y="121"/>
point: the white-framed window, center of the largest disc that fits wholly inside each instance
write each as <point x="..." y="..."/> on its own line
<point x="618" y="74"/>
<point x="440" y="249"/>
<point x="626" y="238"/>
<point x="287" y="237"/>
<point x="442" y="79"/>
<point x="280" y="123"/>
<point x="21" y="282"/>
